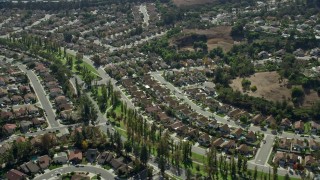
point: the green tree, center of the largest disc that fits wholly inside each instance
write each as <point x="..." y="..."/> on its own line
<point x="144" y="155"/>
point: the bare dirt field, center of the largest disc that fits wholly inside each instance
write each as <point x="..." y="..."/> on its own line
<point x="192" y="2"/>
<point x="268" y="86"/>
<point x="217" y="36"/>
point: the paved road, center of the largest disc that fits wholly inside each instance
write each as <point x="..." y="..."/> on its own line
<point x="264" y="152"/>
<point x="44" y="101"/>
<point x="63" y="170"/>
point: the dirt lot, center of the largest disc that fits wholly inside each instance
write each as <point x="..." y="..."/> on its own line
<point x="192" y="2"/>
<point x="268" y="86"/>
<point x="217" y="36"/>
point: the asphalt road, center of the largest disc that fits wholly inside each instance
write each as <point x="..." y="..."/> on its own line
<point x="63" y="170"/>
<point x="264" y="151"/>
<point x="44" y="101"/>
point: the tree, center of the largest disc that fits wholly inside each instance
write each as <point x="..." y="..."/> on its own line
<point x="275" y="172"/>
<point x="255" y="174"/>
<point x="84" y="145"/>
<point x="144" y="155"/>
<point x="127" y="147"/>
<point x="96" y="60"/>
<point x="47" y="142"/>
<point x="67" y="37"/>
<point x="211" y="167"/>
<point x="162" y="165"/>
<point x="244" y="119"/>
<point x="286" y="177"/>
<point x="245" y="84"/>
<point x="297" y="95"/>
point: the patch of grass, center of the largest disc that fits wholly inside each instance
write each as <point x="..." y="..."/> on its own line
<point x="198" y="157"/>
<point x="54" y="166"/>
<point x="307" y="128"/>
<point x="221" y="115"/>
<point x="121" y="131"/>
<point x="107" y="167"/>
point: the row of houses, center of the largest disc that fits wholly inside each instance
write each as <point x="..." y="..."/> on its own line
<point x="18" y="101"/>
<point x="60" y="102"/>
<point x="184" y="121"/>
<point x="294" y="161"/>
<point x="285" y="124"/>
<point x="297" y="145"/>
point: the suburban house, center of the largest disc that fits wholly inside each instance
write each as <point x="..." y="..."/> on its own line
<point x="105" y="157"/>
<point x="25" y="125"/>
<point x="251" y="137"/>
<point x="204" y="139"/>
<point x="91" y="155"/>
<point x="60" y="158"/>
<point x="228" y="145"/>
<point x="9" y="128"/>
<point x="280" y="158"/>
<point x="315" y="127"/>
<point x="32" y="167"/>
<point x="284" y="144"/>
<point x="217" y="143"/>
<point x="257" y="119"/>
<point x="44" y="161"/>
<point x="14" y="174"/>
<point x="271" y="121"/>
<point x="310" y="161"/>
<point x="314" y="145"/>
<point x="285" y="124"/>
<point x="298" y="145"/>
<point x="75" y="156"/>
<point x="224" y="129"/>
<point x="237" y="133"/>
<point x="244" y="149"/>
<point x="299" y="127"/>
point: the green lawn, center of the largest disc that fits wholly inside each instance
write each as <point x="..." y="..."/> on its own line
<point x="83" y="64"/>
<point x="54" y="166"/>
<point x="307" y="128"/>
<point x="198" y="157"/>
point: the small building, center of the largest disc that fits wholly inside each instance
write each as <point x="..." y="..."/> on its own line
<point x="14" y="174"/>
<point x="237" y="133"/>
<point x="285" y="124"/>
<point x="9" y="128"/>
<point x="25" y="125"/>
<point x="60" y="158"/>
<point x="204" y="139"/>
<point x="244" y="149"/>
<point x="299" y="127"/>
<point x="91" y="155"/>
<point x="251" y="137"/>
<point x="75" y="156"/>
<point x="44" y="161"/>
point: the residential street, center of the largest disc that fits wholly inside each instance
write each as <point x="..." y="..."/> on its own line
<point x="44" y="101"/>
<point x="83" y="168"/>
<point x="264" y="151"/>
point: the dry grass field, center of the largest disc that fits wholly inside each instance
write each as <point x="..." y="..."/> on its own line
<point x="268" y="86"/>
<point x="192" y="2"/>
<point x="217" y="36"/>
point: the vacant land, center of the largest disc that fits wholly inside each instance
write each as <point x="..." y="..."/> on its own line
<point x="217" y="36"/>
<point x="268" y="86"/>
<point x="192" y="2"/>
